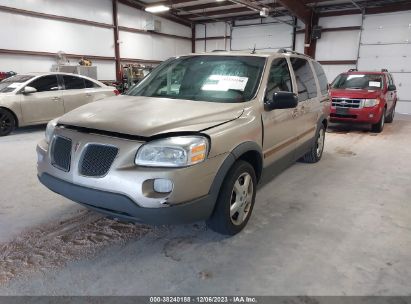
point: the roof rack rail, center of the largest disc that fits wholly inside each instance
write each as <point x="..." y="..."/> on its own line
<point x="285" y="51"/>
<point x="384" y="70"/>
<point x="215" y="51"/>
<point x="353" y="70"/>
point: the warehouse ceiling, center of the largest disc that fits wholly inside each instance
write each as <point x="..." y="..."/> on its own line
<point x="199" y="11"/>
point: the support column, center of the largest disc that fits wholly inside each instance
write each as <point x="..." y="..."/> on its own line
<point x="310" y="44"/>
<point x="116" y="41"/>
<point x="294" y="34"/>
<point x="193" y="38"/>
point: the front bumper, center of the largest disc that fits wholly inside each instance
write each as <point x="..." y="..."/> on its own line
<point x="122" y="192"/>
<point x="122" y="207"/>
<point x="363" y="115"/>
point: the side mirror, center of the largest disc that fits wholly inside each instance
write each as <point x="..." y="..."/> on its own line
<point x="392" y="87"/>
<point x="29" y="90"/>
<point x="281" y="100"/>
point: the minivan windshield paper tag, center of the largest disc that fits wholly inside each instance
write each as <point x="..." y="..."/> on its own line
<point x="225" y="83"/>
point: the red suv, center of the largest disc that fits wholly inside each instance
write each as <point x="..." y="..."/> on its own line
<point x="364" y="97"/>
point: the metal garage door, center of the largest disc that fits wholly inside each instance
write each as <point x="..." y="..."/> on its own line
<point x="386" y="43"/>
<point x="267" y="37"/>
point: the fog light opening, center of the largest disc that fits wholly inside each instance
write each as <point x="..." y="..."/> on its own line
<point x="163" y="185"/>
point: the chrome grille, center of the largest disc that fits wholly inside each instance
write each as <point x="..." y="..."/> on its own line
<point x="97" y="160"/>
<point x="61" y="153"/>
<point x="347" y="103"/>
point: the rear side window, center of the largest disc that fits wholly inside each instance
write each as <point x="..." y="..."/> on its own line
<point x="90" y="84"/>
<point x="279" y="78"/>
<point x="45" y="83"/>
<point x="306" y="85"/>
<point x="73" y="82"/>
<point x="390" y="79"/>
<point x="322" y="78"/>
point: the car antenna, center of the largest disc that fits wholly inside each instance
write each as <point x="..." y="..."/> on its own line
<point x="253" y="51"/>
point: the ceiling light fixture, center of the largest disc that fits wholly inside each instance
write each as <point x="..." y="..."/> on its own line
<point x="157" y="9"/>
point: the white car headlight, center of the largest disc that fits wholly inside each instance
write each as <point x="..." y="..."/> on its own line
<point x="368" y="103"/>
<point x="50" y="129"/>
<point x="178" y="151"/>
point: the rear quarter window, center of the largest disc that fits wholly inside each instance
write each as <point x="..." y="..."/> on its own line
<point x="306" y="85"/>
<point x="322" y="78"/>
<point x="90" y="84"/>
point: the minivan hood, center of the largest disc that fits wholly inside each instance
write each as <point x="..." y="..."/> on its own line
<point x="361" y="94"/>
<point x="149" y="116"/>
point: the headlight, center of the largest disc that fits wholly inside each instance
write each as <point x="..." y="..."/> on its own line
<point x="50" y="129"/>
<point x="178" y="151"/>
<point x="368" y="103"/>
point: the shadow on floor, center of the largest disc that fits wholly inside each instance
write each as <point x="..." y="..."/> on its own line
<point x="28" y="130"/>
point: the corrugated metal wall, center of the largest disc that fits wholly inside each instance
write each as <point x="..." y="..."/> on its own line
<point x="384" y="42"/>
<point x="30" y="33"/>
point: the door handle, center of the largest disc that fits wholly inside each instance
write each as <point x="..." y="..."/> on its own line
<point x="56" y="98"/>
<point x="294" y="113"/>
<point x="88" y="94"/>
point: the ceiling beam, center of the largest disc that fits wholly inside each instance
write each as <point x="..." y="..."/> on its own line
<point x="169" y="3"/>
<point x="248" y="16"/>
<point x="298" y="9"/>
<point x="254" y="6"/>
<point x="206" y="5"/>
<point x="220" y="12"/>
<point x="370" y="10"/>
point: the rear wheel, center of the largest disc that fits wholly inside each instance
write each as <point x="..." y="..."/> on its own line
<point x="379" y="126"/>
<point x="316" y="152"/>
<point x="7" y="122"/>
<point x="390" y="118"/>
<point x="235" y="201"/>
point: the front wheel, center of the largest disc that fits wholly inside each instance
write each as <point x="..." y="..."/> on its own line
<point x="7" y="122"/>
<point x="379" y="126"/>
<point x="390" y="118"/>
<point x="316" y="152"/>
<point x="235" y="201"/>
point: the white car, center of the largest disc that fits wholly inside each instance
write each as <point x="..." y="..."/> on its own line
<point x="37" y="98"/>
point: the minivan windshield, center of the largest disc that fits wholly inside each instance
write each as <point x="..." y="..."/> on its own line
<point x="358" y="81"/>
<point x="12" y="83"/>
<point x="225" y="79"/>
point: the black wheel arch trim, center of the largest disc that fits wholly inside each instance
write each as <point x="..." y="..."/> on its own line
<point x="235" y="154"/>
<point x="321" y="119"/>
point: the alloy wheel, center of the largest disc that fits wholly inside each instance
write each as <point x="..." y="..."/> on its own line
<point x="241" y="199"/>
<point x="6" y="123"/>
<point x="320" y="142"/>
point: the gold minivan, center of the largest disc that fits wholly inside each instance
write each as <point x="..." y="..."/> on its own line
<point x="191" y="140"/>
<point x="37" y="98"/>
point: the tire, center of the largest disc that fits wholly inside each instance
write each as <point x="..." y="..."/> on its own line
<point x="7" y="122"/>
<point x="235" y="201"/>
<point x="390" y="118"/>
<point x="316" y="152"/>
<point x="379" y="126"/>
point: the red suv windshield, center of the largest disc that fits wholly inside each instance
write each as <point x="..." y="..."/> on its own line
<point x="358" y="81"/>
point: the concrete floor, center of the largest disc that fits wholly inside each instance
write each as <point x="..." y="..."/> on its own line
<point x="340" y="227"/>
